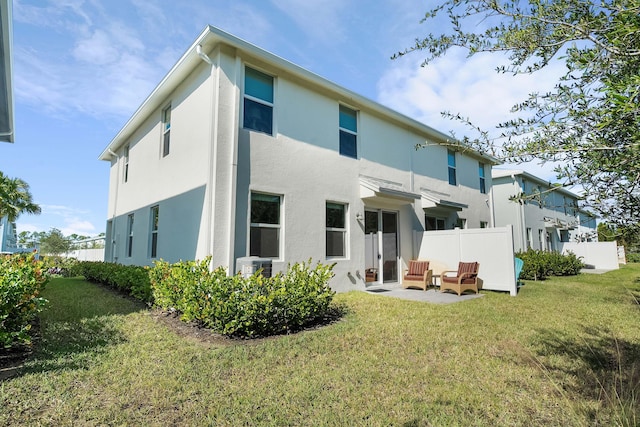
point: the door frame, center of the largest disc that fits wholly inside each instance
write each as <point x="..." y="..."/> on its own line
<point x="379" y="251"/>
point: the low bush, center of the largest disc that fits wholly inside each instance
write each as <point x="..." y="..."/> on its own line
<point x="633" y="257"/>
<point x="244" y="307"/>
<point x="131" y="279"/>
<point x="60" y="266"/>
<point x="538" y="265"/>
<point x="22" y="278"/>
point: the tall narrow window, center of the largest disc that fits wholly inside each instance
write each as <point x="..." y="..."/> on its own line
<point x="336" y="229"/>
<point x="529" y="238"/>
<point x="483" y="188"/>
<point x="451" y="162"/>
<point x="484" y="224"/>
<point x="265" y="225"/>
<point x="129" y="235"/>
<point x="461" y="223"/>
<point x="155" y="211"/>
<point x="348" y="132"/>
<point x="258" y="101"/>
<point x="541" y="239"/>
<point x="126" y="163"/>
<point x="166" y="130"/>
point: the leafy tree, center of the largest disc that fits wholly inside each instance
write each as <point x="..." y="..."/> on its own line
<point x="590" y="121"/>
<point x="15" y="198"/>
<point x="627" y="236"/>
<point x="54" y="243"/>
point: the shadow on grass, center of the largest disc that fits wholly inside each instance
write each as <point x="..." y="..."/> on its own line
<point x="81" y="322"/>
<point x="605" y="369"/>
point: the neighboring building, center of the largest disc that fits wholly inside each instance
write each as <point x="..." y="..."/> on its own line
<point x="238" y="153"/>
<point x="545" y="217"/>
<point x="8" y="236"/>
<point x="6" y="86"/>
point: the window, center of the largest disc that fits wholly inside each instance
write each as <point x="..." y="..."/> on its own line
<point x="451" y="162"/>
<point x="166" y="130"/>
<point x="129" y="235"/>
<point x="336" y="229"/>
<point x="348" y="132"/>
<point x="265" y="225"/>
<point x="483" y="188"/>
<point x="541" y="239"/>
<point x="258" y="101"/>
<point x="433" y="223"/>
<point x="461" y="223"/>
<point x="126" y="163"/>
<point x="155" y="211"/>
<point x="529" y="238"/>
<point x="484" y="224"/>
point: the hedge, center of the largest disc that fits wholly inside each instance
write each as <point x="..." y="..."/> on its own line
<point x="22" y="278"/>
<point x="131" y="279"/>
<point x="538" y="265"/>
<point x="244" y="307"/>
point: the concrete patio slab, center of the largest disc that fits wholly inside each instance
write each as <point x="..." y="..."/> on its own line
<point x="433" y="296"/>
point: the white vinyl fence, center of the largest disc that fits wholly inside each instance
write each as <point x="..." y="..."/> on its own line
<point x="87" y="254"/>
<point x="597" y="255"/>
<point x="491" y="247"/>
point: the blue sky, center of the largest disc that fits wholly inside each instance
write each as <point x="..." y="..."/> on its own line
<point x="82" y="67"/>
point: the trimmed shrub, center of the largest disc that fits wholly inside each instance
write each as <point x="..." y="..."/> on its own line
<point x="538" y="265"/>
<point x="22" y="278"/>
<point x="244" y="307"/>
<point x="633" y="257"/>
<point x="131" y="279"/>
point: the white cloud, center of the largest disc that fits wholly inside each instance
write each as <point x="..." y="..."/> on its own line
<point x="97" y="49"/>
<point x="322" y="21"/>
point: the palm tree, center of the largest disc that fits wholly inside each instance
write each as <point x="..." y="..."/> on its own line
<point x="15" y="198"/>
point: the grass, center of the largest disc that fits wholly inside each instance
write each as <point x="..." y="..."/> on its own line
<point x="563" y="352"/>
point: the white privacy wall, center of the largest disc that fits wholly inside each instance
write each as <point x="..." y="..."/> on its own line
<point x="599" y="255"/>
<point x="491" y="247"/>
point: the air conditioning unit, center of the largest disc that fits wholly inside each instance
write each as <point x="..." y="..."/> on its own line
<point x="248" y="266"/>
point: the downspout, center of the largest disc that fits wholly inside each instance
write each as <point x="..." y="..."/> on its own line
<point x="211" y="179"/>
<point x="521" y="220"/>
<point x="115" y="207"/>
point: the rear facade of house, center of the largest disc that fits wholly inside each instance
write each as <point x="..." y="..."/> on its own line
<point x="546" y="217"/>
<point x="240" y="153"/>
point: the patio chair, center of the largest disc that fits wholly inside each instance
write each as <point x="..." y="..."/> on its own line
<point x="465" y="279"/>
<point x="417" y="275"/>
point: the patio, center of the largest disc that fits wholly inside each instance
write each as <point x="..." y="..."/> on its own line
<point x="433" y="296"/>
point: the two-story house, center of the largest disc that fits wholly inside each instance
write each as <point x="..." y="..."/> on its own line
<point x="238" y="152"/>
<point x="542" y="214"/>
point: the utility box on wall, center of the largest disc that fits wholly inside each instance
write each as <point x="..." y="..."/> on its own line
<point x="248" y="266"/>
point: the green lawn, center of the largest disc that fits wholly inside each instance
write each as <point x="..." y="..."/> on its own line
<point x="563" y="352"/>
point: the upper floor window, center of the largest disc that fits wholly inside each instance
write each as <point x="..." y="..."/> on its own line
<point x="483" y="185"/>
<point x="166" y="130"/>
<point x="258" y="101"/>
<point x="348" y="132"/>
<point x="155" y="213"/>
<point x="129" y="235"/>
<point x="451" y="162"/>
<point x="265" y="225"/>
<point x="484" y="224"/>
<point x="336" y="229"/>
<point x="126" y="163"/>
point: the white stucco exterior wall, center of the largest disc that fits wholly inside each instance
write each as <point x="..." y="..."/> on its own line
<point x="203" y="187"/>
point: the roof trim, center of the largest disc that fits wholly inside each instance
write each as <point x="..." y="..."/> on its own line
<point x="386" y="189"/>
<point x="431" y="201"/>
<point x="503" y="173"/>
<point x="212" y="37"/>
